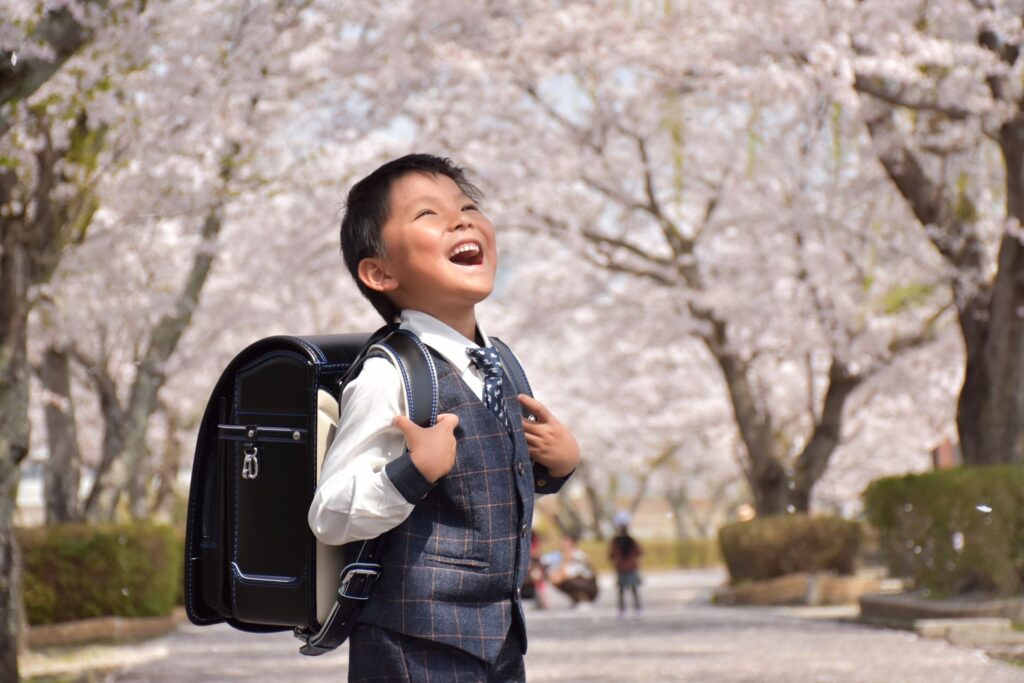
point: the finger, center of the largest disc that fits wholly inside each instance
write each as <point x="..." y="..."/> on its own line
<point x="405" y="425"/>
<point x="448" y="421"/>
<point x="536" y="407"/>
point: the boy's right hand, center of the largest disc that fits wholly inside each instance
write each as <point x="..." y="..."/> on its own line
<point x="432" y="449"/>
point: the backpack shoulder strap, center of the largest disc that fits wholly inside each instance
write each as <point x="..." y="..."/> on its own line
<point x="515" y="372"/>
<point x="419" y="379"/>
<point x="412" y="358"/>
<point x="419" y="374"/>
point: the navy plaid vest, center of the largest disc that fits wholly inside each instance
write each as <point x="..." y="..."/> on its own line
<point x="452" y="570"/>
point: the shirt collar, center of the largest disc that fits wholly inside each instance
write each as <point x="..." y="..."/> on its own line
<point x="440" y="337"/>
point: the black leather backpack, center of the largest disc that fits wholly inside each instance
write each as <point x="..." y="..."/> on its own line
<point x="250" y="557"/>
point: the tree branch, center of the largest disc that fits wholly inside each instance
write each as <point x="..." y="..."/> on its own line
<point x="608" y="263"/>
<point x="621" y="243"/>
<point x="61" y="32"/>
<point x="881" y="89"/>
<point x="813" y="460"/>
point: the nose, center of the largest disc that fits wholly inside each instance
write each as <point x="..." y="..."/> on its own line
<point x="461" y="221"/>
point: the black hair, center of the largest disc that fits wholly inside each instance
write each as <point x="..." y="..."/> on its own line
<point x="367" y="209"/>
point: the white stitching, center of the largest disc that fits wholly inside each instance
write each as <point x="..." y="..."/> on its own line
<point x="397" y="360"/>
<point x="433" y="374"/>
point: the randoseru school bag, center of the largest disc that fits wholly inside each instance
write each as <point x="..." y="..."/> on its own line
<point x="250" y="558"/>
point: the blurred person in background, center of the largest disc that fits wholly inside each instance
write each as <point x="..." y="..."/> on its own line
<point x="570" y="572"/>
<point x="625" y="553"/>
<point x="535" y="586"/>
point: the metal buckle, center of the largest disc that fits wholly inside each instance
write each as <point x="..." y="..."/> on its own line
<point x="250" y="465"/>
<point x="357" y="579"/>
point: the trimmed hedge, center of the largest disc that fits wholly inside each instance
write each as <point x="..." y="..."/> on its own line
<point x="769" y="547"/>
<point x="77" y="571"/>
<point x="953" y="531"/>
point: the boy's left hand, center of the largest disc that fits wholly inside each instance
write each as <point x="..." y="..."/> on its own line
<point x="551" y="443"/>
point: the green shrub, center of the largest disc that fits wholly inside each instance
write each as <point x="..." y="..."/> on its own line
<point x="953" y="531"/>
<point x="658" y="554"/>
<point x="78" y="571"/>
<point x="769" y="547"/>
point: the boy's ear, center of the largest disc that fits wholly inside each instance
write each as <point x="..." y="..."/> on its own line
<point x="374" y="273"/>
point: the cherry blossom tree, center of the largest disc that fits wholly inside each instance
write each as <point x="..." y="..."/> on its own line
<point x="81" y="130"/>
<point x="679" y="153"/>
<point x="939" y="91"/>
<point x="202" y="154"/>
<point x="46" y="203"/>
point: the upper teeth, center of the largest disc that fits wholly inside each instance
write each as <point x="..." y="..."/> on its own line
<point x="463" y="248"/>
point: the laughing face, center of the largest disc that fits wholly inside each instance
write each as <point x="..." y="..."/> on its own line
<point x="441" y="257"/>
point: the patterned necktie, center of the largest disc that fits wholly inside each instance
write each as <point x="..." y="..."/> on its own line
<point x="486" y="359"/>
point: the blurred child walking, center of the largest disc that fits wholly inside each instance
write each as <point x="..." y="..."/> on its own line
<point x="625" y="553"/>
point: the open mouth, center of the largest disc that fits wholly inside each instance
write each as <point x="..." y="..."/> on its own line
<point x="467" y="254"/>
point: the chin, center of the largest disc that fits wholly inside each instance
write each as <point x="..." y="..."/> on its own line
<point x="481" y="296"/>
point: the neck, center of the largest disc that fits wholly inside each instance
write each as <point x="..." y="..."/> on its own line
<point x="463" y="322"/>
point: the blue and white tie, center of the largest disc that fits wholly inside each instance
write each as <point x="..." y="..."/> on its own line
<point x="486" y="359"/>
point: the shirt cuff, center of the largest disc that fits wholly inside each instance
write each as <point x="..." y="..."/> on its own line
<point x="543" y="482"/>
<point x="408" y="480"/>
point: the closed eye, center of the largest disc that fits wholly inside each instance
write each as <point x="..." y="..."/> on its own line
<point x="471" y="207"/>
<point x="424" y="212"/>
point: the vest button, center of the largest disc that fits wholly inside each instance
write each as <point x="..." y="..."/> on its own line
<point x="519" y="466"/>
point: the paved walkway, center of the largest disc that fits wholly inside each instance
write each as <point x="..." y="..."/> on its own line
<point x="680" y="638"/>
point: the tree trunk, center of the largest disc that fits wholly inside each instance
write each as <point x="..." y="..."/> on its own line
<point x="775" y="490"/>
<point x="813" y="461"/>
<point x="63" y="468"/>
<point x="30" y="249"/>
<point x="9" y="616"/>
<point x="598" y="511"/>
<point x="678" y="501"/>
<point x="989" y="412"/>
<point x="15" y="281"/>
<point x="128" y="471"/>
<point x="567" y="519"/>
<point x="128" y="468"/>
<point x="167" y="469"/>
<point x="989" y="408"/>
<point x="765" y="474"/>
<point x="113" y="432"/>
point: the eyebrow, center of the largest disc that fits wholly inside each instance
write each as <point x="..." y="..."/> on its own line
<point x="417" y="203"/>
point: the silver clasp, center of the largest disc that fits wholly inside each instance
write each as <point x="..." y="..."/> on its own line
<point x="250" y="465"/>
<point x="357" y="579"/>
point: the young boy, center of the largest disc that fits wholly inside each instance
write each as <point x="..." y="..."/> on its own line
<point x="457" y="498"/>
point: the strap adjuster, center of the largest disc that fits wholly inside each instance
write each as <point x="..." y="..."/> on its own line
<point x="357" y="579"/>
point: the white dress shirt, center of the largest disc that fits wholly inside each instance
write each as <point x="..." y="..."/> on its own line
<point x="355" y="499"/>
